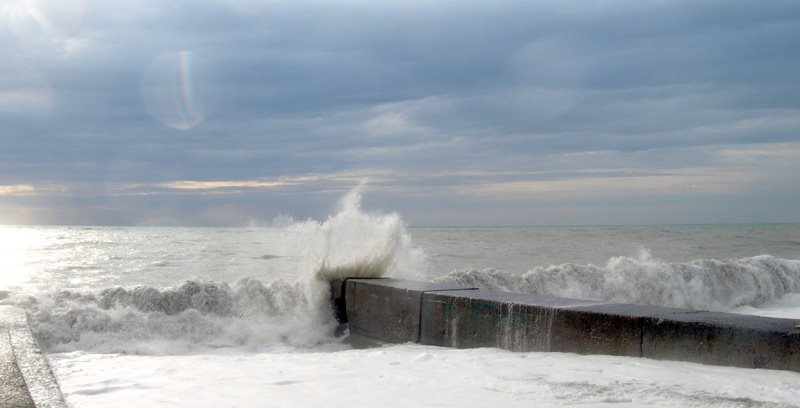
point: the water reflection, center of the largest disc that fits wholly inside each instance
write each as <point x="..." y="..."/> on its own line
<point x="17" y="247"/>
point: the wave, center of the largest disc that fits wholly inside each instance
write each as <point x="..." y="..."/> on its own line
<point x="194" y="314"/>
<point x="355" y="244"/>
<point x="250" y="313"/>
<point x="704" y="284"/>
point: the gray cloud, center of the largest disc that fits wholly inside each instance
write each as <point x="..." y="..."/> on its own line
<point x="426" y="97"/>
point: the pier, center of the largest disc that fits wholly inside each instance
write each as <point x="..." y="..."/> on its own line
<point x="448" y="315"/>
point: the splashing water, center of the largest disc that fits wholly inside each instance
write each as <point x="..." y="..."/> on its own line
<point x="148" y="320"/>
<point x="355" y="244"/>
<point x="704" y="284"/>
<point x="251" y="312"/>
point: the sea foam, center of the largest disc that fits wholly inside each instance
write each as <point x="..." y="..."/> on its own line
<point x="356" y="244"/>
<point x="704" y="284"/>
<point x="190" y="315"/>
<point x="249" y="312"/>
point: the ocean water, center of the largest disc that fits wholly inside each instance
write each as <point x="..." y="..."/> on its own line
<point x="202" y="317"/>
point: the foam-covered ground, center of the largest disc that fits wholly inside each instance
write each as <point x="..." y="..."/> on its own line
<point x="410" y="375"/>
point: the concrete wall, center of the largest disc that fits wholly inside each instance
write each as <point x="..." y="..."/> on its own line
<point x="449" y="315"/>
<point x="25" y="377"/>
<point x="384" y="309"/>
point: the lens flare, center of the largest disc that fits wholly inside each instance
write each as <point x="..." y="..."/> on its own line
<point x="175" y="91"/>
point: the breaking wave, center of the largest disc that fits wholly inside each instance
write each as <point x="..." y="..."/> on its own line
<point x="148" y="320"/>
<point x="248" y="313"/>
<point x="355" y="244"/>
<point x="704" y="284"/>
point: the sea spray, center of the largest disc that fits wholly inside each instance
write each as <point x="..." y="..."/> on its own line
<point x="192" y="315"/>
<point x="251" y="313"/>
<point x="704" y="284"/>
<point x="356" y="244"/>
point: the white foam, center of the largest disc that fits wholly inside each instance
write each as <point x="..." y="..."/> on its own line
<point x="704" y="284"/>
<point x="249" y="313"/>
<point x="190" y="316"/>
<point x="411" y="375"/>
<point x="353" y="243"/>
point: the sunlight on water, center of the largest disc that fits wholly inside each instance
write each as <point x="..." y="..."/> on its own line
<point x="16" y="247"/>
<point x="176" y="91"/>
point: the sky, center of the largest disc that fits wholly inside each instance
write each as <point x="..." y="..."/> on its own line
<point x="534" y="112"/>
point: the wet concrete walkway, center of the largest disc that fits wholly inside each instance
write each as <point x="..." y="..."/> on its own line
<point x="26" y="380"/>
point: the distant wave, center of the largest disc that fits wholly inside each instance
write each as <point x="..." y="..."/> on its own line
<point x="704" y="284"/>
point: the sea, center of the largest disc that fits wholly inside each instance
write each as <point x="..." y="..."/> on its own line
<point x="240" y="317"/>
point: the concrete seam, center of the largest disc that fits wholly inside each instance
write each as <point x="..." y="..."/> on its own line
<point x="343" y="291"/>
<point x="422" y="303"/>
<point x="419" y="318"/>
<point x="641" y="339"/>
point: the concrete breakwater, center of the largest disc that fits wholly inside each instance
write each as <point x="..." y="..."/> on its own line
<point x="399" y="311"/>
<point x="25" y="377"/>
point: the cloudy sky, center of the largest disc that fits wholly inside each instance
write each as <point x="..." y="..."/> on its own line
<point x="225" y="112"/>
